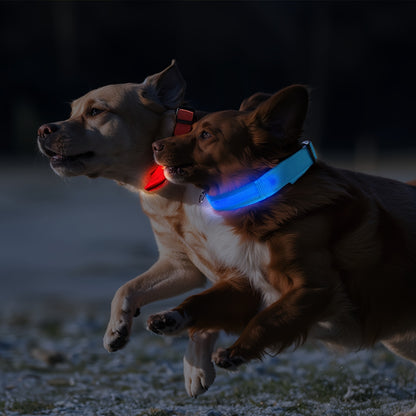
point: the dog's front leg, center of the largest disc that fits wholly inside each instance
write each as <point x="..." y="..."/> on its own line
<point x="166" y="278"/>
<point x="228" y="305"/>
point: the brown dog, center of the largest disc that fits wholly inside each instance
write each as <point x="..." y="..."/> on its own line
<point x="109" y="134"/>
<point x="338" y="248"/>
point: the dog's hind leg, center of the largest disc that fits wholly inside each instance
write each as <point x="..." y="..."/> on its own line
<point x="405" y="347"/>
<point x="228" y="305"/>
<point x="285" y="322"/>
<point x="199" y="370"/>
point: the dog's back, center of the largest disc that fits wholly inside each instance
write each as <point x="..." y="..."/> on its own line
<point x="396" y="200"/>
<point x="373" y="245"/>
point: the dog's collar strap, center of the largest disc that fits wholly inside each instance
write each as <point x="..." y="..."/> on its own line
<point x="184" y="120"/>
<point x="155" y="177"/>
<point x="286" y="172"/>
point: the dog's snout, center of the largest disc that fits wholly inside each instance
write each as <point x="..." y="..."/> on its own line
<point x="158" y="147"/>
<point x="47" y="129"/>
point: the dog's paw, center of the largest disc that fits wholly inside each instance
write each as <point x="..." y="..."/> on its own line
<point x="118" y="330"/>
<point x="223" y="358"/>
<point x="198" y="369"/>
<point x="167" y="323"/>
<point x="198" y="379"/>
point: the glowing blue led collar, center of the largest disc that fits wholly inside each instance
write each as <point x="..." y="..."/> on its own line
<point x="287" y="171"/>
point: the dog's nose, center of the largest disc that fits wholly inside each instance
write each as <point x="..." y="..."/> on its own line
<point x="46" y="129"/>
<point x="158" y="147"/>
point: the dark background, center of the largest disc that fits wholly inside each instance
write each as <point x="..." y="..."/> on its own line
<point x="358" y="57"/>
<point x="67" y="245"/>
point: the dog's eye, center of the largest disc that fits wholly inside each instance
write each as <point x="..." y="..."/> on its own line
<point x="95" y="111"/>
<point x="205" y="135"/>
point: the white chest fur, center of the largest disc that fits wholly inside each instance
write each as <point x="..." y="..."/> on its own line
<point x="213" y="246"/>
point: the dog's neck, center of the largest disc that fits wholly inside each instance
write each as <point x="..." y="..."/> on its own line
<point x="321" y="186"/>
<point x="252" y="192"/>
<point x="134" y="178"/>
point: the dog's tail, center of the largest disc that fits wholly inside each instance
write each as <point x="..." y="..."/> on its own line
<point x="413" y="183"/>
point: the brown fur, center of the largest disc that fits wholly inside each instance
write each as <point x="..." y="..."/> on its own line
<point x="236" y="289"/>
<point x="342" y="244"/>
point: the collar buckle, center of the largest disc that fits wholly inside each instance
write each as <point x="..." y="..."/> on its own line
<point x="309" y="147"/>
<point x="185" y="115"/>
<point x="184" y="120"/>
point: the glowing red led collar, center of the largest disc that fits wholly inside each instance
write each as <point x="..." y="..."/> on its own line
<point x="155" y="177"/>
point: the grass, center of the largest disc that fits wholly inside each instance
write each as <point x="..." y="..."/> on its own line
<point x="29" y="406"/>
<point x="145" y="379"/>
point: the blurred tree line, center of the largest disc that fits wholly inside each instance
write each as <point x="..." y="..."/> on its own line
<point x="359" y="58"/>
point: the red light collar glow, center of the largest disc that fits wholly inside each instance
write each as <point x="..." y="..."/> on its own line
<point x="155" y="177"/>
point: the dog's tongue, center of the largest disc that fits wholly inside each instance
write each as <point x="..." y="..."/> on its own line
<point x="154" y="179"/>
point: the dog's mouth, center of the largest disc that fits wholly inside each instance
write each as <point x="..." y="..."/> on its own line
<point x="181" y="171"/>
<point x="67" y="165"/>
<point x="179" y="174"/>
<point x="58" y="159"/>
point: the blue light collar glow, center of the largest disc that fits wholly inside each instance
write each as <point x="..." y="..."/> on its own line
<point x="287" y="171"/>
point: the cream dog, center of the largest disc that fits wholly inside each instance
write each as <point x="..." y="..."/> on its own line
<point x="109" y="134"/>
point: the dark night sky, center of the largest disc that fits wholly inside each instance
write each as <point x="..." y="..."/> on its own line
<point x="358" y="57"/>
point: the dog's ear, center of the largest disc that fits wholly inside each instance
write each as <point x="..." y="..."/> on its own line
<point x="252" y="102"/>
<point x="164" y="90"/>
<point x="281" y="117"/>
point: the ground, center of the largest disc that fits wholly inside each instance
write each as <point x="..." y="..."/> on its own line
<point x="66" y="246"/>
